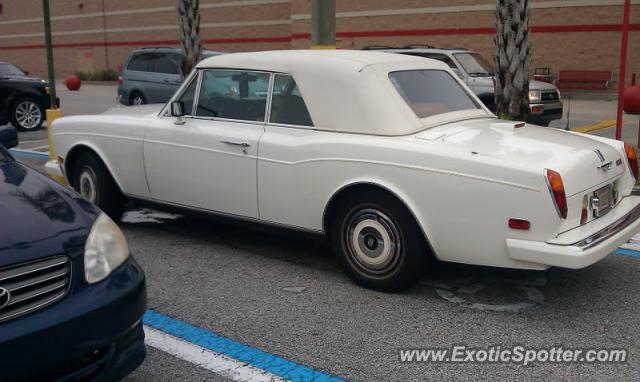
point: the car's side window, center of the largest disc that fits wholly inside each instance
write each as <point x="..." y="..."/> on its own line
<point x="287" y="105"/>
<point x="167" y="63"/>
<point x="142" y="62"/>
<point x="233" y="94"/>
<point x="188" y="96"/>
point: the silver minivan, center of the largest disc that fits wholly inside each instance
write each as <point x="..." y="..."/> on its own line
<point x="152" y="75"/>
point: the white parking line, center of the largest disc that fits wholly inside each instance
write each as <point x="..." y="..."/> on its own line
<point x="205" y="358"/>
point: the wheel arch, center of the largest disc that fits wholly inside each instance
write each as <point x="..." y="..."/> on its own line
<point x="74" y="153"/>
<point x="363" y="186"/>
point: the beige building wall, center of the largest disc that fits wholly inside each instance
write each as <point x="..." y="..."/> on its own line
<point x="569" y="34"/>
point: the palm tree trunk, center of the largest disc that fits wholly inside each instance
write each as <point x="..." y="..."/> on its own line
<point x="189" y="22"/>
<point x="513" y="59"/>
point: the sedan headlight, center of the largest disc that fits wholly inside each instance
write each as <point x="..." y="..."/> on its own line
<point x="535" y="96"/>
<point x="105" y="249"/>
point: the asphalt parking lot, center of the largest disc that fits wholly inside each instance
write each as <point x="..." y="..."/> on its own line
<point x="284" y="294"/>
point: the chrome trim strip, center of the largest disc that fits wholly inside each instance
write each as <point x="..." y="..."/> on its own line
<point x="61" y="262"/>
<point x="609" y="231"/>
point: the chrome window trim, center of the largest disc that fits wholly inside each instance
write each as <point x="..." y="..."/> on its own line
<point x="289" y="125"/>
<point x="199" y="89"/>
<point x="164" y="112"/>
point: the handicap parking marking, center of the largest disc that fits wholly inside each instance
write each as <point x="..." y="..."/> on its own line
<point x="224" y="356"/>
<point x="205" y="358"/>
<point x="627" y="252"/>
<point x="29" y="153"/>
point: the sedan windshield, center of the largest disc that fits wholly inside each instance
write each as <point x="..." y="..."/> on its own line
<point x="10" y="70"/>
<point x="431" y="92"/>
<point x="475" y="65"/>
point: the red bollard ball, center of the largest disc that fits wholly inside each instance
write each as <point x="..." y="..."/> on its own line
<point x="631" y="100"/>
<point x="73" y="82"/>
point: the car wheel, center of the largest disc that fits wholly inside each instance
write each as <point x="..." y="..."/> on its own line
<point x="379" y="242"/>
<point x="27" y="114"/>
<point x="137" y="99"/>
<point x="92" y="181"/>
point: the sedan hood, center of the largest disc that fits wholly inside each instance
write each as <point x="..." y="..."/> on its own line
<point x="573" y="155"/>
<point x="39" y="217"/>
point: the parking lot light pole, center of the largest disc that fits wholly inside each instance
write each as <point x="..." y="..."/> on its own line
<point x="49" y="47"/>
<point x="53" y="112"/>
<point x="323" y="24"/>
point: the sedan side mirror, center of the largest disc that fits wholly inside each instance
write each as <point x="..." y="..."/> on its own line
<point x="8" y="137"/>
<point x="177" y="109"/>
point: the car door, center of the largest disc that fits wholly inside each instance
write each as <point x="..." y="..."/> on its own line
<point x="207" y="159"/>
<point x="138" y="74"/>
<point x="166" y="75"/>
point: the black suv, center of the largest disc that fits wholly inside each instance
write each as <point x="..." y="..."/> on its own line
<point x="23" y="98"/>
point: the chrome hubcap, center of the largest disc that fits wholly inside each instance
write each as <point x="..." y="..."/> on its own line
<point x="373" y="241"/>
<point x="137" y="100"/>
<point x="28" y="114"/>
<point x="87" y="184"/>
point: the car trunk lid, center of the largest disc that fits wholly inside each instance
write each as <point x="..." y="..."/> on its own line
<point x="582" y="162"/>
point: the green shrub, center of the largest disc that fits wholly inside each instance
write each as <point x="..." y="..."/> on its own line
<point x="98" y="75"/>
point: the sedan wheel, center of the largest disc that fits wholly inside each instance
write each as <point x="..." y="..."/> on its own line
<point x="88" y="184"/>
<point x="373" y="241"/>
<point x="378" y="240"/>
<point x="27" y="115"/>
<point x="93" y="181"/>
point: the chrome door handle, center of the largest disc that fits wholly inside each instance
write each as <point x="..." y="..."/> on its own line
<point x="241" y="144"/>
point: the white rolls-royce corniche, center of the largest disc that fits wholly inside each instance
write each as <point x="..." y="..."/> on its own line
<point x="391" y="157"/>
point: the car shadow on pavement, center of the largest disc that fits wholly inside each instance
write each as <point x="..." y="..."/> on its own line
<point x="469" y="287"/>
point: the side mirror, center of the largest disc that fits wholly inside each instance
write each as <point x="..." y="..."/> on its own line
<point x="177" y="109"/>
<point x="8" y="137"/>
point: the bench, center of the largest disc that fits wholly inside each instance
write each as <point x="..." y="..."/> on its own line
<point x="593" y="80"/>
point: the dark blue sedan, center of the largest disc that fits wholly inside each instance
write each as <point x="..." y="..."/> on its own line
<point x="71" y="296"/>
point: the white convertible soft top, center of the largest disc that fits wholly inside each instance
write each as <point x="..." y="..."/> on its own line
<point x="347" y="90"/>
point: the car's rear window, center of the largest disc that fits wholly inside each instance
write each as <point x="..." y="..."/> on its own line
<point x="432" y="92"/>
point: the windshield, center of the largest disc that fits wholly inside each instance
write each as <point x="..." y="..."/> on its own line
<point x="10" y="70"/>
<point x="431" y="92"/>
<point x="475" y="65"/>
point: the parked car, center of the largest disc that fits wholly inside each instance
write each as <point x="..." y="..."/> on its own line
<point x="152" y="75"/>
<point x="23" y="98"/>
<point x="71" y="296"/>
<point x="478" y="73"/>
<point x="8" y="137"/>
<point x="392" y="157"/>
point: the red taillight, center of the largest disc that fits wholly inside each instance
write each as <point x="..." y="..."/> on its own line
<point x="584" y="216"/>
<point x="556" y="187"/>
<point x="632" y="158"/>
<point x="519" y="224"/>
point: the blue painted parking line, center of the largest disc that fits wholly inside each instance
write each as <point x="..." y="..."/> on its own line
<point x="273" y="364"/>
<point x="627" y="252"/>
<point x="29" y="153"/>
